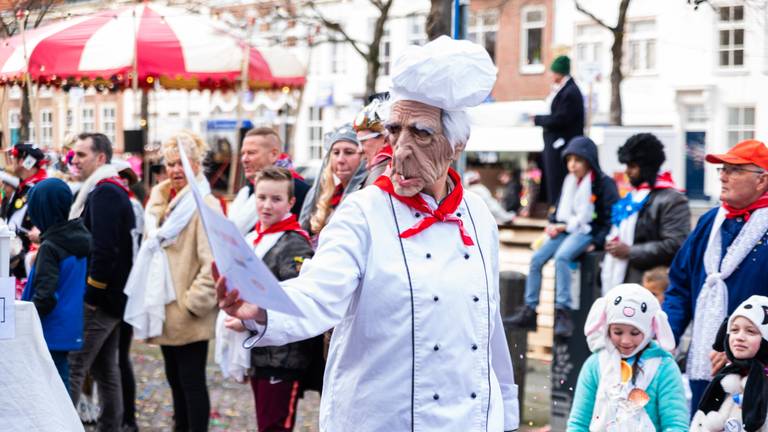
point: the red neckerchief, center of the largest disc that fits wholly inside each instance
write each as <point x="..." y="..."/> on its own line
<point x="383" y="155"/>
<point x="444" y="212"/>
<point x="118" y="182"/>
<point x="172" y="194"/>
<point x="40" y="175"/>
<point x="338" y="193"/>
<point x="295" y="175"/>
<point x="288" y="224"/>
<point x="663" y="181"/>
<point x="746" y="212"/>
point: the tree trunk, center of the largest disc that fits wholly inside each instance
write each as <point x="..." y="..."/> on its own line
<point x="26" y="115"/>
<point x="439" y="19"/>
<point x="617" y="52"/>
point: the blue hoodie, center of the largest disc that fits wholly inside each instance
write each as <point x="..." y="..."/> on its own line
<point x="56" y="283"/>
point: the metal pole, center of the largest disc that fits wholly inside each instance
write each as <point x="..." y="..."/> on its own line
<point x="245" y="65"/>
<point x="458" y="33"/>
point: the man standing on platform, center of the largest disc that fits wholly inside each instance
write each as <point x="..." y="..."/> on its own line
<point x="407" y="273"/>
<point x="723" y="261"/>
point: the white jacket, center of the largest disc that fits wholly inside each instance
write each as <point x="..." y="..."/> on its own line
<point x="419" y="353"/>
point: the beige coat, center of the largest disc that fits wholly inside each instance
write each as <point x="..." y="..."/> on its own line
<point x="192" y="316"/>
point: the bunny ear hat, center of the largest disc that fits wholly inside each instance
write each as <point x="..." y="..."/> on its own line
<point x="633" y="305"/>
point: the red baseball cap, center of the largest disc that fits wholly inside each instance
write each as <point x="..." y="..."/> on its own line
<point x="746" y="152"/>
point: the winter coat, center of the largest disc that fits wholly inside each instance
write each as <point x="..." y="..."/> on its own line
<point x="191" y="317"/>
<point x="603" y="189"/>
<point x="288" y="361"/>
<point x="667" y="407"/>
<point x="662" y="226"/>
<point x="687" y="273"/>
<point x="108" y="215"/>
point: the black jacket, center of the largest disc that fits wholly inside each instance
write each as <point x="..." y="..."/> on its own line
<point x="108" y="215"/>
<point x="603" y="189"/>
<point x="662" y="226"/>
<point x="289" y="361"/>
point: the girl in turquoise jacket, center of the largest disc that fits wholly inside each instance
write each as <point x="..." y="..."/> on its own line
<point x="631" y="382"/>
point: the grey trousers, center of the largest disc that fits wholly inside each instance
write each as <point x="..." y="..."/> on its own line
<point x="101" y="337"/>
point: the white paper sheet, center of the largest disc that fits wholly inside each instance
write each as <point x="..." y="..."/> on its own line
<point x="7" y="312"/>
<point x="235" y="259"/>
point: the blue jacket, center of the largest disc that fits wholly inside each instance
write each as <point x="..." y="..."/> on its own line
<point x="667" y="408"/>
<point x="687" y="275"/>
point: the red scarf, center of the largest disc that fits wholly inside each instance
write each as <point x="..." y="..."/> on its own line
<point x="383" y="155"/>
<point x="40" y="175"/>
<point x="444" y="212"/>
<point x="288" y="224"/>
<point x="663" y="181"/>
<point x="338" y="193"/>
<point x="118" y="182"/>
<point x="746" y="212"/>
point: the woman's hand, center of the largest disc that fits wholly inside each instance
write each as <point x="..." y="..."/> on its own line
<point x="231" y="303"/>
<point x="718" y="360"/>
<point x="553" y="230"/>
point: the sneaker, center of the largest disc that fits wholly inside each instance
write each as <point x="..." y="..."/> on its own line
<point x="563" y="323"/>
<point x="523" y="318"/>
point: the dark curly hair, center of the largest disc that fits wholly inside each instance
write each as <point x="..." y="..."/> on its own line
<point x="645" y="150"/>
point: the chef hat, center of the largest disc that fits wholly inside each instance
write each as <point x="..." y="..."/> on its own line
<point x="446" y="73"/>
<point x="754" y="309"/>
<point x="633" y="305"/>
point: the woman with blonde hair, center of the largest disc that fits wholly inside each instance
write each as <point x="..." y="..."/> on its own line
<point x="343" y="171"/>
<point x="171" y="297"/>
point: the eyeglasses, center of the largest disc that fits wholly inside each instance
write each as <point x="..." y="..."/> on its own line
<point x="730" y="170"/>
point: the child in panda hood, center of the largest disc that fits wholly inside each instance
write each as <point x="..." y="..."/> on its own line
<point x="737" y="397"/>
<point x="631" y="382"/>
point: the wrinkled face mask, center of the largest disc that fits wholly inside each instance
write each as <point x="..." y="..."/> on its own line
<point x="422" y="153"/>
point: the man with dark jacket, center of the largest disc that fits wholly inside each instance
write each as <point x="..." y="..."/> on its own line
<point x="651" y="222"/>
<point x="580" y="223"/>
<point x="565" y="121"/>
<point x="108" y="215"/>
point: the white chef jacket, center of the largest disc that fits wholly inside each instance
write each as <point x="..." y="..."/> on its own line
<point x="418" y="343"/>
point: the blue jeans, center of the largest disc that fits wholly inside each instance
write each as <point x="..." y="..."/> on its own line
<point x="565" y="248"/>
<point x="61" y="360"/>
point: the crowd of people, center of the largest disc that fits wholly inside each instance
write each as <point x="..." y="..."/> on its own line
<point x="394" y="267"/>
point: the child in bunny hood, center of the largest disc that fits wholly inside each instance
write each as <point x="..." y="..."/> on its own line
<point x="631" y="381"/>
<point x="737" y="397"/>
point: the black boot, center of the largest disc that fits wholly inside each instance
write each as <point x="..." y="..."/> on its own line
<point x="523" y="318"/>
<point x="563" y="323"/>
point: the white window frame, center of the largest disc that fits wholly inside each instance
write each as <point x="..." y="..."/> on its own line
<point x="315" y="131"/>
<point x="639" y="45"/>
<point x="338" y="60"/>
<point x="46" y="128"/>
<point x="416" y="33"/>
<point x="536" y="68"/>
<point x="385" y="51"/>
<point x="481" y="25"/>
<point x="108" y="128"/>
<point x="740" y="130"/>
<point x="87" y="120"/>
<point x="589" y="38"/>
<point x="731" y="27"/>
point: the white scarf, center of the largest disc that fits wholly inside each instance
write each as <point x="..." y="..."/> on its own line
<point x="615" y="269"/>
<point x="103" y="172"/>
<point x="576" y="208"/>
<point x="712" y="303"/>
<point x="242" y="211"/>
<point x="150" y="285"/>
<point x="232" y="358"/>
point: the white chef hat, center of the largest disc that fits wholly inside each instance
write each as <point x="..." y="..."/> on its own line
<point x="446" y="73"/>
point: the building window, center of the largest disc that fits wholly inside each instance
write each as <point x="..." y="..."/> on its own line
<point x="588" y="51"/>
<point x="385" y="45"/>
<point x="46" y="128"/>
<point x="696" y="114"/>
<point x="731" y="36"/>
<point x="532" y="39"/>
<point x="109" y="122"/>
<point x="482" y="28"/>
<point x="337" y="57"/>
<point x="14" y="125"/>
<point x="417" y="33"/>
<point x="87" y="120"/>
<point x="315" y="125"/>
<point x="741" y="124"/>
<point x="642" y="46"/>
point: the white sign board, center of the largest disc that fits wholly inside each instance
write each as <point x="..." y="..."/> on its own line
<point x="7" y="299"/>
<point x="235" y="260"/>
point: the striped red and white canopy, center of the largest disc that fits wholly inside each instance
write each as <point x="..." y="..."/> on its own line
<point x="176" y="47"/>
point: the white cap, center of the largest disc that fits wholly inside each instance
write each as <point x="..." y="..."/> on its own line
<point x="445" y="73"/>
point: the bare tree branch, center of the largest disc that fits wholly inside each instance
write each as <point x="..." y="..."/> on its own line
<point x="45" y="7"/>
<point x="378" y="4"/>
<point x="592" y="16"/>
<point x="336" y="27"/>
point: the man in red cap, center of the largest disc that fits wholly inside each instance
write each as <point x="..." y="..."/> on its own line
<point x="723" y="261"/>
